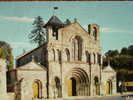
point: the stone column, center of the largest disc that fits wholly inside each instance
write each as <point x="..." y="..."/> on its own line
<point x="88" y="89"/>
<point x="83" y="89"/>
<point x="3" y="87"/>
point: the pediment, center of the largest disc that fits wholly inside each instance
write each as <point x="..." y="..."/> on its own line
<point x="32" y="66"/>
<point x="76" y="27"/>
<point x="73" y="30"/>
<point x="108" y="69"/>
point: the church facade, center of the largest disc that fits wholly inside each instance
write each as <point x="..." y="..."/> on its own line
<point x="72" y="57"/>
<point x="69" y="64"/>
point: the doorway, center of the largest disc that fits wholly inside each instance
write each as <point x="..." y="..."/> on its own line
<point x="108" y="87"/>
<point x="72" y="87"/>
<point x="37" y="89"/>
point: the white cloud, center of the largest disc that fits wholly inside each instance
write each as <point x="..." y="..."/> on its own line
<point x="16" y="18"/>
<point x="21" y="45"/>
<point x="107" y="29"/>
<point x="111" y="30"/>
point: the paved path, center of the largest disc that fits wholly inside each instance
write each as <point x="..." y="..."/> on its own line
<point x="119" y="97"/>
<point x="99" y="98"/>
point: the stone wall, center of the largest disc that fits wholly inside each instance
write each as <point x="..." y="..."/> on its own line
<point x="10" y="96"/>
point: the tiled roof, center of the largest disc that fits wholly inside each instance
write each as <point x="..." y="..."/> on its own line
<point x="54" y="20"/>
<point x="23" y="54"/>
<point x="27" y="52"/>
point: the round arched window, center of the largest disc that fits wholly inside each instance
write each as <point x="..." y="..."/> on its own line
<point x="95" y="33"/>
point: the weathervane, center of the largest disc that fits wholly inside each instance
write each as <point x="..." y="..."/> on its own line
<point x="55" y="8"/>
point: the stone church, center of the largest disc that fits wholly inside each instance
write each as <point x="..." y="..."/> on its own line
<point x="69" y="64"/>
<point x="71" y="57"/>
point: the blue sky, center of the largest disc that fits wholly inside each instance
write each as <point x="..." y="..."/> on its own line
<point x="115" y="20"/>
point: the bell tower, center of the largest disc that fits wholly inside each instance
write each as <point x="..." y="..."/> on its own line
<point x="93" y="30"/>
<point x="52" y="27"/>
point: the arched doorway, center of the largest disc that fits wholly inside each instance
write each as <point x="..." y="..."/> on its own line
<point x="37" y="89"/>
<point x="108" y="87"/>
<point x="78" y="83"/>
<point x="58" y="87"/>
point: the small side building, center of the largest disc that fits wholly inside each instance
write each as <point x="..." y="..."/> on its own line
<point x="108" y="81"/>
<point x="31" y="81"/>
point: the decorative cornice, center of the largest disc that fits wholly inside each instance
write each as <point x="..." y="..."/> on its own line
<point x="18" y="69"/>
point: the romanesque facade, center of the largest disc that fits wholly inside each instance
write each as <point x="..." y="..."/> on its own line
<point x="72" y="57"/>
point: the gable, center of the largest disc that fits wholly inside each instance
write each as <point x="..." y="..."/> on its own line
<point x="32" y="66"/>
<point x="72" y="30"/>
<point x="76" y="27"/>
<point x="108" y="69"/>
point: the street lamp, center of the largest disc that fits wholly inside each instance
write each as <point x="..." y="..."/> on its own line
<point x="121" y="86"/>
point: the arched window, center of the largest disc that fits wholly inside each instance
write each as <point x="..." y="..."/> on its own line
<point x="77" y="48"/>
<point x="99" y="59"/>
<point x="59" y="55"/>
<point x="95" y="33"/>
<point x="53" y="54"/>
<point x="97" y="86"/>
<point x="67" y="54"/>
<point x="94" y="58"/>
<point x="96" y="81"/>
<point x="57" y="82"/>
<point x="88" y="57"/>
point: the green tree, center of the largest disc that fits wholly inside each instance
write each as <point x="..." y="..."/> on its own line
<point x="119" y="62"/>
<point x="130" y="50"/>
<point x="38" y="34"/>
<point x="112" y="53"/>
<point x="6" y="53"/>
<point x="124" y="60"/>
<point x="124" y="51"/>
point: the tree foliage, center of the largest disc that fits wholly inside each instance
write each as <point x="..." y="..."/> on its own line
<point x="122" y="60"/>
<point x="130" y="50"/>
<point x="112" y="53"/>
<point x="123" y="51"/>
<point x="6" y="53"/>
<point x="38" y="34"/>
